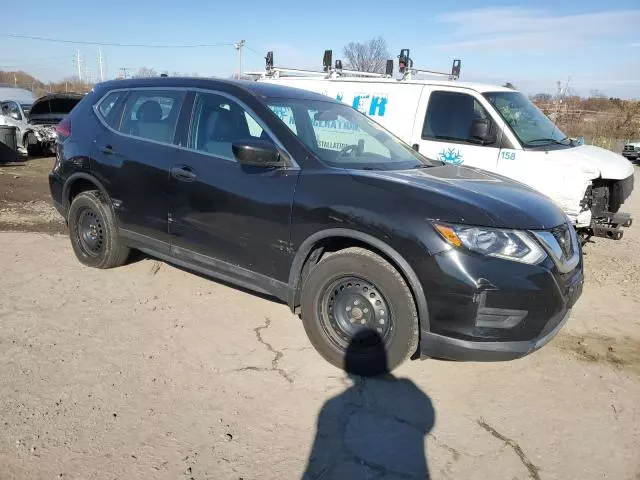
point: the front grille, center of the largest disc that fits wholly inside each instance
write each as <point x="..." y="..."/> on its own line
<point x="562" y="234"/>
<point x="561" y="243"/>
<point x="628" y="148"/>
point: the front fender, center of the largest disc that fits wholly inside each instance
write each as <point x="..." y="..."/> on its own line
<point x="309" y="244"/>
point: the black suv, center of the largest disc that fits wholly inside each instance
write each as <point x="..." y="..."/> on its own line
<point x="292" y="194"/>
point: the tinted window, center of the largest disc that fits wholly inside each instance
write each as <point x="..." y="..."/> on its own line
<point x="106" y="108"/>
<point x="450" y="116"/>
<point x="152" y="114"/>
<point x="218" y="122"/>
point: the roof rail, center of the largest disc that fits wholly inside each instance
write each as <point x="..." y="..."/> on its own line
<point x="405" y="66"/>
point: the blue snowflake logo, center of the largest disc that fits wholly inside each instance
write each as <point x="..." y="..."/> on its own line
<point x="450" y="155"/>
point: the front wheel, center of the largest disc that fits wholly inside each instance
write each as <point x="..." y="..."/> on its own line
<point x="359" y="313"/>
<point x="93" y="232"/>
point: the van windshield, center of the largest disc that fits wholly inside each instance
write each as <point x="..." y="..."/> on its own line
<point x="530" y="125"/>
<point x="344" y="138"/>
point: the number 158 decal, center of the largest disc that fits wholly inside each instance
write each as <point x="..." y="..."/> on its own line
<point x="508" y="155"/>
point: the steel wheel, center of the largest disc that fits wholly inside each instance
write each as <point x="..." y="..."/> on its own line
<point x="90" y="232"/>
<point x="351" y="305"/>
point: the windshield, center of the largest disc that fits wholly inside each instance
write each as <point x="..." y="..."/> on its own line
<point x="530" y="125"/>
<point x="342" y="137"/>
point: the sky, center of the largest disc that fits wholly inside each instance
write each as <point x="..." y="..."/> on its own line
<point x="593" y="44"/>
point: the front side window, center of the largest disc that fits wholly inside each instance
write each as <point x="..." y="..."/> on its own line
<point x="218" y="122"/>
<point x="531" y="126"/>
<point x="450" y="118"/>
<point x="342" y="137"/>
<point x="152" y="114"/>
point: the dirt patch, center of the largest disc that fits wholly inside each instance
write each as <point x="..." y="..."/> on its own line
<point x="25" y="200"/>
<point x="620" y="352"/>
<point x="33" y="216"/>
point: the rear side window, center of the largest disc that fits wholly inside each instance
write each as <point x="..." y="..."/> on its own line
<point x="106" y="108"/>
<point x="152" y="114"/>
<point x="450" y="116"/>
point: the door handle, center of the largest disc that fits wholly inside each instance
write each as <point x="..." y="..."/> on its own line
<point x="184" y="174"/>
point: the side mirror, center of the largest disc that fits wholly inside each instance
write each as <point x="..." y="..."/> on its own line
<point x="15" y="115"/>
<point x="480" y="132"/>
<point x="257" y="153"/>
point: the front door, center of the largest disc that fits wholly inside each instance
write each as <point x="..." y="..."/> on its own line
<point x="450" y="130"/>
<point x="222" y="213"/>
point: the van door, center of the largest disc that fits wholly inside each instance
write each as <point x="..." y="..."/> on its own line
<point x="453" y="126"/>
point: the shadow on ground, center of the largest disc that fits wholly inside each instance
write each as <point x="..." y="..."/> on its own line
<point x="376" y="428"/>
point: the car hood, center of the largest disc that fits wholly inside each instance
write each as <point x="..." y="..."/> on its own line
<point x="594" y="161"/>
<point x="460" y="194"/>
<point x="51" y="109"/>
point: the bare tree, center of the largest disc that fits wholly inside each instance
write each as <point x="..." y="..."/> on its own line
<point x="369" y="56"/>
<point x="145" y="72"/>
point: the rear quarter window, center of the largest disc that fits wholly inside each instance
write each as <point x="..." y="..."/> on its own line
<point x="106" y="108"/>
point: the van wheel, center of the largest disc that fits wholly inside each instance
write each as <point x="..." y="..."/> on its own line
<point x="359" y="313"/>
<point x="93" y="232"/>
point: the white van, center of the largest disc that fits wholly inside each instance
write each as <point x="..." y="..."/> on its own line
<point x="485" y="126"/>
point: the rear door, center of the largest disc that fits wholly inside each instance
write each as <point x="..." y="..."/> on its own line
<point x="134" y="153"/>
<point x="444" y="128"/>
<point x="223" y="214"/>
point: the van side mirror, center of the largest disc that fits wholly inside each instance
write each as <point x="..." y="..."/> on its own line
<point x="15" y="115"/>
<point x="480" y="132"/>
<point x="257" y="153"/>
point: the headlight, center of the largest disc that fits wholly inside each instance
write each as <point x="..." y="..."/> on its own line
<point x="493" y="242"/>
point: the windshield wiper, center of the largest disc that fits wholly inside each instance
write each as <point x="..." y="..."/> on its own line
<point x="549" y="141"/>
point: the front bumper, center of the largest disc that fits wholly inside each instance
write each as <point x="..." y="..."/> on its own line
<point x="485" y="309"/>
<point x="631" y="155"/>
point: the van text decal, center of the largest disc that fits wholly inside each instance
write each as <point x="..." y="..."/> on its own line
<point x="372" y="105"/>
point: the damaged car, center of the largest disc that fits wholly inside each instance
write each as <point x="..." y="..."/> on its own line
<point x="36" y="122"/>
<point x="45" y="113"/>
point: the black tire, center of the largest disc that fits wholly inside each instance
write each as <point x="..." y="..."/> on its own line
<point x="329" y="294"/>
<point x="93" y="232"/>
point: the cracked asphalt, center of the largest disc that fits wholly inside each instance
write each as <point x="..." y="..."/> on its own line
<point x="149" y="371"/>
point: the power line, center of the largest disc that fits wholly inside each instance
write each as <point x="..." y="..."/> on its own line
<point x="254" y="51"/>
<point x="104" y="44"/>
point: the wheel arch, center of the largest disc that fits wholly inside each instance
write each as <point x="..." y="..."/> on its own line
<point x="313" y="247"/>
<point x="80" y="182"/>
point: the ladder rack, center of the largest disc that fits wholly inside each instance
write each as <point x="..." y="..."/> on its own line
<point x="330" y="71"/>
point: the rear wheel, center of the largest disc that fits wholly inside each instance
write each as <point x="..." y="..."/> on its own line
<point x="359" y="313"/>
<point x="93" y="232"/>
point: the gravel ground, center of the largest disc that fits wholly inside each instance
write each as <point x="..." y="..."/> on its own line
<point x="148" y="371"/>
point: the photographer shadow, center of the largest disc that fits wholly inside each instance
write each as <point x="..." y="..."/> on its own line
<point x="376" y="428"/>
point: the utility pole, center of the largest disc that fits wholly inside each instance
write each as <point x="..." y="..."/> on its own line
<point x="100" y="63"/>
<point x="15" y="81"/>
<point x="78" y="61"/>
<point x="238" y="46"/>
